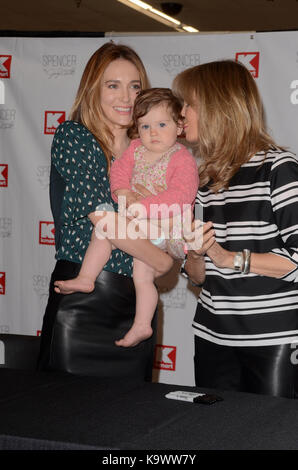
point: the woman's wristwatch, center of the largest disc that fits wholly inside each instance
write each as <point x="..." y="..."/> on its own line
<point x="185" y="274"/>
<point x="242" y="261"/>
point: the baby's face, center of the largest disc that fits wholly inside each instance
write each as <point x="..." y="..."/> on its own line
<point x="158" y="130"/>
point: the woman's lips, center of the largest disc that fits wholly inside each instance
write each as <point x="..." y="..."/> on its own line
<point x="123" y="109"/>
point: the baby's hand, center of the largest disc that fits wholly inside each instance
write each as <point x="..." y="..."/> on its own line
<point x="137" y="211"/>
<point x="144" y="192"/>
<point x="130" y="197"/>
<point x="126" y="198"/>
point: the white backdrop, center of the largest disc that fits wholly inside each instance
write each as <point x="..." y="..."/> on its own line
<point x="38" y="82"/>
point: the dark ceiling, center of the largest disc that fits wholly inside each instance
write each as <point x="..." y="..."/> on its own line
<point x="112" y="16"/>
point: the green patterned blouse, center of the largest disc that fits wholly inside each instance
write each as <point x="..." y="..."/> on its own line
<point x="81" y="164"/>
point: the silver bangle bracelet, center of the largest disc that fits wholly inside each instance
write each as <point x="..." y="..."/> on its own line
<point x="246" y="263"/>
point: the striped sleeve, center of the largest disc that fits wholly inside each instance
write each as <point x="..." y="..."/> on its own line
<point x="284" y="200"/>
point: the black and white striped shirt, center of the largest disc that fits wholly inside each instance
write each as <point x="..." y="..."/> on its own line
<point x="259" y="211"/>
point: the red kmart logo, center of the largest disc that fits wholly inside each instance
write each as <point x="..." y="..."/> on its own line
<point x="52" y="120"/>
<point x="251" y="60"/>
<point x="46" y="233"/>
<point x="5" y="63"/>
<point x="165" y="357"/>
<point x="3" y="175"/>
<point x="2" y="283"/>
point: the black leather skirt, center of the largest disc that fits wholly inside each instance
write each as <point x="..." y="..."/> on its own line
<point x="79" y="330"/>
<point x="266" y="370"/>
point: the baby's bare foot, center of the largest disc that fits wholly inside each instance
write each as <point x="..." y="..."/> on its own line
<point x="135" y="335"/>
<point x="78" y="284"/>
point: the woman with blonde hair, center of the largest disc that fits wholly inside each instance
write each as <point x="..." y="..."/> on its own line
<point x="246" y="320"/>
<point x="79" y="330"/>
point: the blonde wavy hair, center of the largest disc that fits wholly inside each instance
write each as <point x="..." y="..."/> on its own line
<point x="231" y="125"/>
<point x="86" y="108"/>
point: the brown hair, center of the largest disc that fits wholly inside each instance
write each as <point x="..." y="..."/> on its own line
<point x="231" y="126"/>
<point x="147" y="99"/>
<point x="86" y="108"/>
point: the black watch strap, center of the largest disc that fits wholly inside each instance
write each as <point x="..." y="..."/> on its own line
<point x="185" y="274"/>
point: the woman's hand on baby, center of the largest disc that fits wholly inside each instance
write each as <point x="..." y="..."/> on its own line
<point x="200" y="237"/>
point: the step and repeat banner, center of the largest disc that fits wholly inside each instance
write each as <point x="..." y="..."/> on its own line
<point x="38" y="81"/>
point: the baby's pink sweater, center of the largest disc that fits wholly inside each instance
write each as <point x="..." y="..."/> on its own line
<point x="181" y="177"/>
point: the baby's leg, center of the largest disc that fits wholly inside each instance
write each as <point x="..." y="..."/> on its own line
<point x="128" y="235"/>
<point x="96" y="257"/>
<point x="146" y="302"/>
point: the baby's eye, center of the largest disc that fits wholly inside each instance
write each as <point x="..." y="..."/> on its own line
<point x="145" y="126"/>
<point x="162" y="124"/>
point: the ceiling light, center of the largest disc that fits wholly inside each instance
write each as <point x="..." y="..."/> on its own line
<point x="189" y="29"/>
<point x="158" y="15"/>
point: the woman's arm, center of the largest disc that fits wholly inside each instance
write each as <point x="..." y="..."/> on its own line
<point x="284" y="203"/>
<point x="195" y="264"/>
<point x="264" y="264"/>
<point x="118" y="230"/>
<point x="281" y="262"/>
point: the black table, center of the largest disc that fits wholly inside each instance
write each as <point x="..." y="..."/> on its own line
<point x="47" y="411"/>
